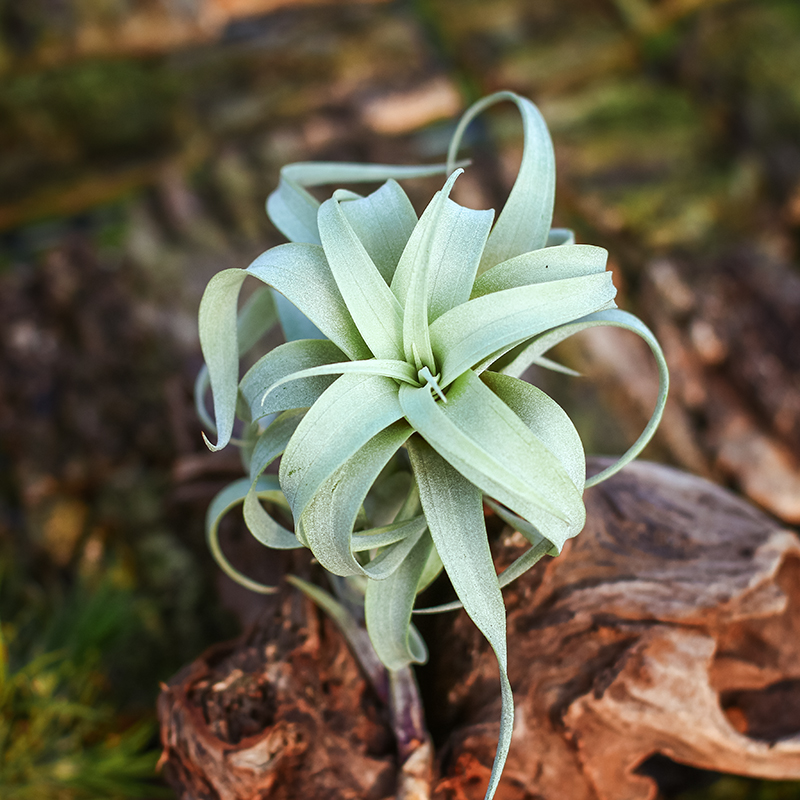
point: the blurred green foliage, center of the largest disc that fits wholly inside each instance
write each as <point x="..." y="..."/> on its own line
<point x="100" y="111"/>
<point x="61" y="735"/>
<point x="733" y="788"/>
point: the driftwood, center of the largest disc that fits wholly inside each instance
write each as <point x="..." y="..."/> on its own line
<point x="284" y="712"/>
<point x="670" y="626"/>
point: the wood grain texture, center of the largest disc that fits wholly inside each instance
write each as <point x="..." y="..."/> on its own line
<point x="283" y="712"/>
<point x="671" y="625"/>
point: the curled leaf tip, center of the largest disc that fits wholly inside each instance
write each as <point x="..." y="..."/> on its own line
<point x="209" y="444"/>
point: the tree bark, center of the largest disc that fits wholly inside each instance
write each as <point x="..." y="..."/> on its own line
<point x="670" y="626"/>
<point x="283" y="712"/>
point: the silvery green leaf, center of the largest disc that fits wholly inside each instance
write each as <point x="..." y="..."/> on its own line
<point x="256" y="317"/>
<point x="469" y="333"/>
<point x="456" y="250"/>
<point x="455" y="244"/>
<point x="454" y="510"/>
<point x="300" y="272"/>
<point x="546" y="420"/>
<point x="388" y="495"/>
<point x="540" y="266"/>
<point x="260" y="523"/>
<point x="201" y="385"/>
<point x="397" y="370"/>
<point x="293" y="210"/>
<point x="218" y="341"/>
<point x="554" y="366"/>
<point x="382" y="221"/>
<point x="487" y="443"/>
<point x="388" y="605"/>
<point x="302" y="275"/>
<point x="370" y="303"/>
<point x="294" y="323"/>
<point x="269" y="445"/>
<point x="281" y="362"/>
<point x="532" y="556"/>
<point x="433" y="568"/>
<point x="272" y="442"/>
<point x="560" y="236"/>
<point x="524" y="222"/>
<point x="328" y="519"/>
<point x="224" y="501"/>
<point x="619" y="319"/>
<point x="521" y="525"/>
<point x="374" y="538"/>
<point x="352" y="410"/>
<point x="416" y="337"/>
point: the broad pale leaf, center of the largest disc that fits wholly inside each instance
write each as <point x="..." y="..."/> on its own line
<point x="272" y="442"/>
<point x="352" y="410"/>
<point x="397" y="370"/>
<point x="281" y="362"/>
<point x="294" y="323"/>
<point x="231" y="496"/>
<point x="383" y="221"/>
<point x="485" y="441"/>
<point x="546" y="420"/>
<point x="218" y="341"/>
<point x="454" y="511"/>
<point x="541" y="266"/>
<point x="619" y="319"/>
<point x="524" y="223"/>
<point x="467" y="334"/>
<point x="416" y="337"/>
<point x="560" y="236"/>
<point x="327" y="521"/>
<point x="293" y="210"/>
<point x="370" y="303"/>
<point x="300" y="272"/>
<point x="388" y="605"/>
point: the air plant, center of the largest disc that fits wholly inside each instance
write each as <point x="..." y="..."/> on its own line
<point x="397" y="403"/>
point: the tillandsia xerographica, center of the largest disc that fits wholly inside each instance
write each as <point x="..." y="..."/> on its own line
<point x="396" y="403"/>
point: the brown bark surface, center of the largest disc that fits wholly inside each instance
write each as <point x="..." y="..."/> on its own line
<point x="671" y="625"/>
<point x="283" y="712"/>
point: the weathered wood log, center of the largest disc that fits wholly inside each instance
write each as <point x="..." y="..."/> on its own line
<point x="671" y="625"/>
<point x="283" y="712"/>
